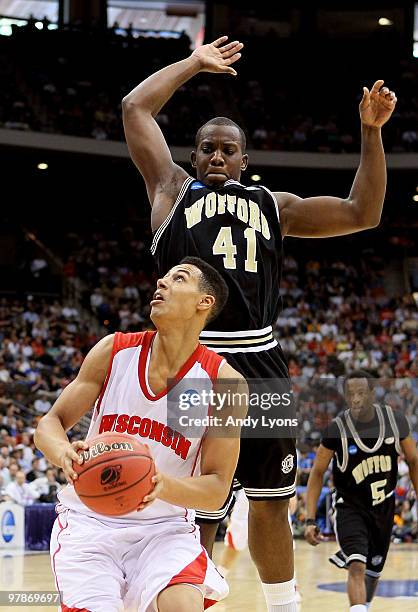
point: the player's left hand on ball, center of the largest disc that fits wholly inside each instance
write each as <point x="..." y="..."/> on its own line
<point x="158" y="485"/>
<point x="377" y="105"/>
<point x="313" y="535"/>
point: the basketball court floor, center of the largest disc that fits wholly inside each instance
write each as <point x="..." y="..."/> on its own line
<point x="321" y="584"/>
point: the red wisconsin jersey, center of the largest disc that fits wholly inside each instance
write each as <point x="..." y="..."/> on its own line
<point x="128" y="405"/>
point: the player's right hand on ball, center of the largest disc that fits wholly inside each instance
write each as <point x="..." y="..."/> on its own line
<point x="313" y="535"/>
<point x="69" y="455"/>
<point x="218" y="56"/>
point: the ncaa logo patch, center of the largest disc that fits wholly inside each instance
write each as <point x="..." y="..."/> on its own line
<point x="287" y="464"/>
<point x="352" y="449"/>
<point x="389" y="440"/>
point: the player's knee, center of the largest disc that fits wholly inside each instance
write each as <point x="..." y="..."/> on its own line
<point x="181" y="598"/>
<point x="357" y="570"/>
<point x="270" y="510"/>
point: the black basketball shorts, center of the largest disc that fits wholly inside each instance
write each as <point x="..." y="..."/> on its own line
<point x="266" y="467"/>
<point x="364" y="535"/>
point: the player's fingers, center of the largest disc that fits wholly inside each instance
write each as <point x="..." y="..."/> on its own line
<point x="76" y="457"/>
<point x="80" y="444"/>
<point x="231" y="60"/>
<point x="232" y="51"/>
<point x="230" y="45"/>
<point x="219" y="41"/>
<point x="68" y="470"/>
<point x="384" y="91"/>
<point x="366" y="97"/>
<point x="227" y="70"/>
<point x="376" y="86"/>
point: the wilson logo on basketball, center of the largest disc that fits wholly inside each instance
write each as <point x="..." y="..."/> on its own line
<point x="110" y="474"/>
<point x="98" y="449"/>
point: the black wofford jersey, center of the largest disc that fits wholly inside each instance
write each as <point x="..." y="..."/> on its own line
<point x="365" y="465"/>
<point x="237" y="230"/>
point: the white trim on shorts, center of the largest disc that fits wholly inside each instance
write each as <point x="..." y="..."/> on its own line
<point x="280" y="492"/>
<point x="356" y="557"/>
<point x="373" y="574"/>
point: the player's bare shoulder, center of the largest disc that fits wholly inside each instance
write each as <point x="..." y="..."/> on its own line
<point x="166" y="194"/>
<point x="97" y="361"/>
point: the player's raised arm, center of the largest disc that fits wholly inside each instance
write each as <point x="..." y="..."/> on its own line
<point x="146" y="142"/>
<point x="219" y="453"/>
<point x="73" y="403"/>
<point x="325" y="216"/>
<point x="316" y="479"/>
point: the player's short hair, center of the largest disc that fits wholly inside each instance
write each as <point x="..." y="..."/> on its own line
<point x="371" y="379"/>
<point x="222" y="121"/>
<point x="211" y="282"/>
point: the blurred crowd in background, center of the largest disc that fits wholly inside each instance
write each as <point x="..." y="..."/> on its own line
<point x="72" y="82"/>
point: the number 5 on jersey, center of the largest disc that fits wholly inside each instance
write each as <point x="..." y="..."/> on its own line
<point x="223" y="245"/>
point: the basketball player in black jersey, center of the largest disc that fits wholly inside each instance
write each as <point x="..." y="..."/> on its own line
<point x="364" y="442"/>
<point x="239" y="230"/>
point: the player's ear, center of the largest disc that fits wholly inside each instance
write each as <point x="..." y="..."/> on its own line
<point x="206" y="302"/>
<point x="193" y="159"/>
<point x="244" y="162"/>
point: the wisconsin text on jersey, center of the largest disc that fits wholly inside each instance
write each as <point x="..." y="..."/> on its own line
<point x="146" y="428"/>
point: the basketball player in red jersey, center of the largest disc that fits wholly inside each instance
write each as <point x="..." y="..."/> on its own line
<point x="150" y="559"/>
<point x="239" y="230"/>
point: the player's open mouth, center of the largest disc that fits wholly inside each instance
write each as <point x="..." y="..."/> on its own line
<point x="157" y="298"/>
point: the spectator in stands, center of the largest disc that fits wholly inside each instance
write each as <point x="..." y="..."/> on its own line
<point x="42" y="404"/>
<point x="20" y="491"/>
<point x="46" y="487"/>
<point x="36" y="471"/>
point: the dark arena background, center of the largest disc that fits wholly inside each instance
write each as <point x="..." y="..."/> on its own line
<point x="75" y="231"/>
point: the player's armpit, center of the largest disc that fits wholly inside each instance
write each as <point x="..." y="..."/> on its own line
<point x="318" y="217"/>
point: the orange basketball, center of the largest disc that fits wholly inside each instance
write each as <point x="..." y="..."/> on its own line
<point x="115" y="475"/>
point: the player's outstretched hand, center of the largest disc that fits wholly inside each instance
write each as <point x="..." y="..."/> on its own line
<point x="218" y="56"/>
<point x="313" y="535"/>
<point x="69" y="455"/>
<point x="151" y="497"/>
<point x="377" y="105"/>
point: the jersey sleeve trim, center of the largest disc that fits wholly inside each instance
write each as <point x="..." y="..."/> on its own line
<point x="343" y="466"/>
<point x="267" y="190"/>
<point x="211" y="362"/>
<point x="395" y="428"/>
<point x="120" y="342"/>
<point x="189" y="180"/>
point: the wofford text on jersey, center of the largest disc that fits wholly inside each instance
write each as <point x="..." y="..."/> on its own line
<point x="216" y="203"/>
<point x="146" y="428"/>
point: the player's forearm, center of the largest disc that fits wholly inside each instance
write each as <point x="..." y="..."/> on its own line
<point x="313" y="493"/>
<point x="368" y="191"/>
<point x="50" y="438"/>
<point x="207" y="492"/>
<point x="153" y="93"/>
